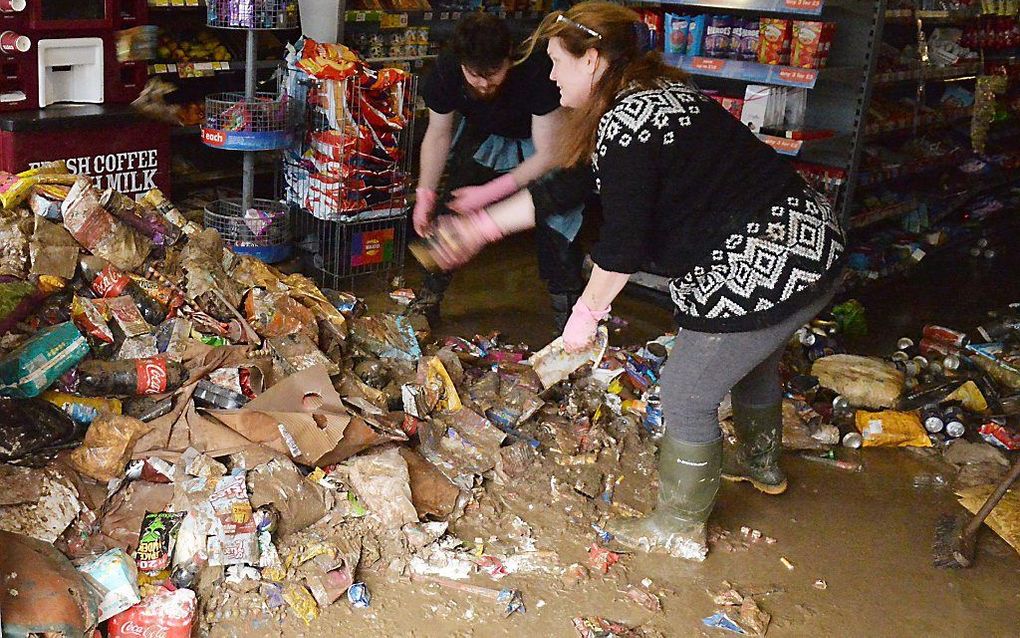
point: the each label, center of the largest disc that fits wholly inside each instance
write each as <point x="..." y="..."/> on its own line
<point x="110" y="282"/>
<point x="213" y="137"/>
<point x="152" y="376"/>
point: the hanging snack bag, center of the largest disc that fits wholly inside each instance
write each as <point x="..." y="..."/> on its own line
<point x="696" y="35"/>
<point x="676" y="33"/>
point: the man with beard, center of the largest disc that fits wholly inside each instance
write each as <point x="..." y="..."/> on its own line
<point x="510" y="113"/>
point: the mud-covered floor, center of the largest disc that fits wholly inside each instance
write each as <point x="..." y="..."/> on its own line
<point x="867" y="535"/>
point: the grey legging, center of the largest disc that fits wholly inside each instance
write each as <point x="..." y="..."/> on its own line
<point x="703" y="367"/>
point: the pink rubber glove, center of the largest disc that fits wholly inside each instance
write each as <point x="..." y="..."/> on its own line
<point x="424" y="204"/>
<point x="581" y="326"/>
<point x="456" y="239"/>
<point x="471" y="199"/>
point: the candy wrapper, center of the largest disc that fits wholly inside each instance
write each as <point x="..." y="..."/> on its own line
<point x="143" y="219"/>
<point x="235" y="541"/>
<point x="140" y="347"/>
<point x="99" y="232"/>
<point x="126" y="316"/>
<point x="107" y="446"/>
<point x="113" y="577"/>
<point x="90" y="320"/>
<point x="32" y="367"/>
<point x="301" y="601"/>
<point x="15" y="188"/>
<point x="172" y="338"/>
<point x="13" y="244"/>
<point x="52" y="250"/>
<point x="157" y="539"/>
<point x="82" y="410"/>
<point x="276" y="314"/>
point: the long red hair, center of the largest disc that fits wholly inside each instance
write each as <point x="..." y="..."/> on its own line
<point x="627" y="66"/>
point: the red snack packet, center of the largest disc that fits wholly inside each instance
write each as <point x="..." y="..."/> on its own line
<point x="774" y="41"/>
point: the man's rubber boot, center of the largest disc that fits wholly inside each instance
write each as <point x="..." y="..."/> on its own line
<point x="759" y="431"/>
<point x="563" y="305"/>
<point x="688" y="482"/>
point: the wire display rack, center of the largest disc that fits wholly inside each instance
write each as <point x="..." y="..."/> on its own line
<point x="262" y="231"/>
<point x="233" y="121"/>
<point x="252" y="14"/>
<point x="347" y="182"/>
<point x="250" y="122"/>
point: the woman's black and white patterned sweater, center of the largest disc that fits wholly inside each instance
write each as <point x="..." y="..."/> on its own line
<point x="687" y="191"/>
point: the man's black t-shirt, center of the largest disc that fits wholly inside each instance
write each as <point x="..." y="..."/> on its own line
<point x="527" y="91"/>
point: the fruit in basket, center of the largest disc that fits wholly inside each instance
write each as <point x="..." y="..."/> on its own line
<point x="203" y="46"/>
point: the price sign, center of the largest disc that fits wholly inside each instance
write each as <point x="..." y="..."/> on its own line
<point x="708" y="64"/>
<point x="804" y="5"/>
<point x="782" y="144"/>
<point x="798" y="76"/>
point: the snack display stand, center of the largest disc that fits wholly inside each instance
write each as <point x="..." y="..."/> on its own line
<point x="347" y="177"/>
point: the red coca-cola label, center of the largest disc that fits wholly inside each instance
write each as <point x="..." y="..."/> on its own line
<point x="131" y="628"/>
<point x="152" y="375"/>
<point x="110" y="282"/>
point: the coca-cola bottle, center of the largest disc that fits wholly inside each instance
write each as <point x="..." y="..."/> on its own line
<point x="106" y="280"/>
<point x="130" y="377"/>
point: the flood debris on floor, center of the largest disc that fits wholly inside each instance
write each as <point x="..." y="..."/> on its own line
<point x="195" y="443"/>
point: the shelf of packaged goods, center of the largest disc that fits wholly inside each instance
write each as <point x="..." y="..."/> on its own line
<point x="404" y="19"/>
<point x="875" y="215"/>
<point x="899" y="14"/>
<point x="798" y="7"/>
<point x="930" y="74"/>
<point x="926" y="122"/>
<point x="946" y="16"/>
<point x="205" y="69"/>
<point x="885" y="174"/>
<point x="754" y="72"/>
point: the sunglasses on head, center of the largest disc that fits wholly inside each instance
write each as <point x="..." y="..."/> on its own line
<point x="592" y="32"/>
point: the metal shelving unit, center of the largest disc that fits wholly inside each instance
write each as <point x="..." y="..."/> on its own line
<point x="837" y="94"/>
<point x="920" y="81"/>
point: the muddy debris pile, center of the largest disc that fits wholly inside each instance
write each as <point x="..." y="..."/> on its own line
<point x="947" y="394"/>
<point x="194" y="441"/>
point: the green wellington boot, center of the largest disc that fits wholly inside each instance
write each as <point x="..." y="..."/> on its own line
<point x="688" y="482"/>
<point x="759" y="444"/>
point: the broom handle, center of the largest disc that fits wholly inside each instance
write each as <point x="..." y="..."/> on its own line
<point x="993" y="499"/>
